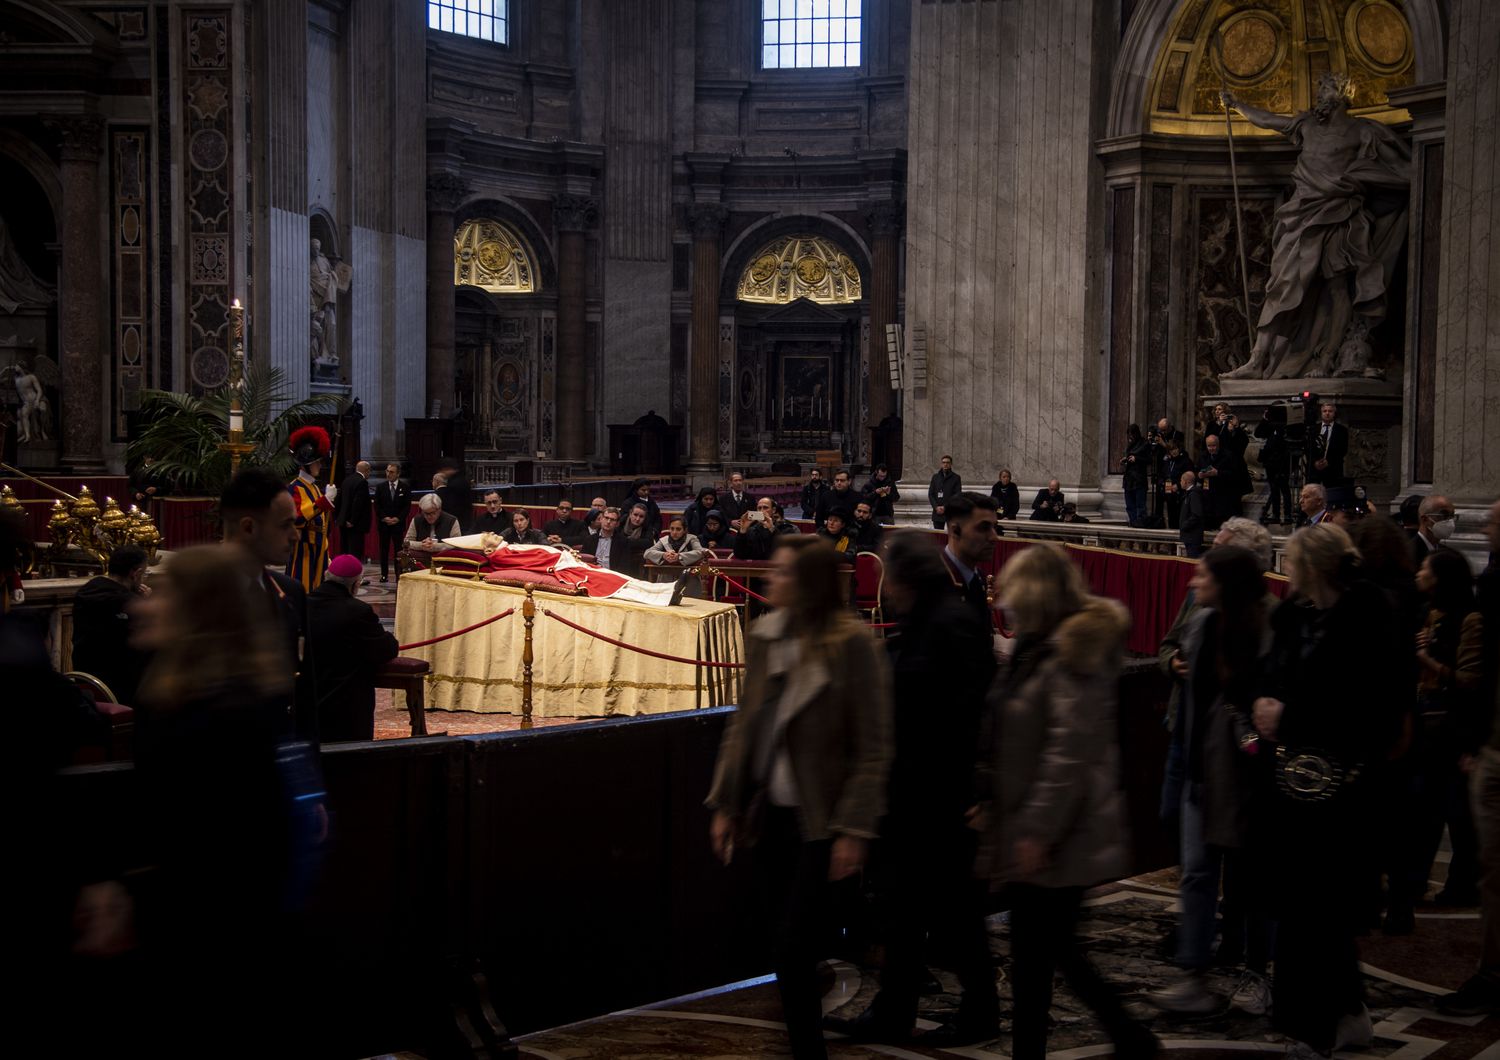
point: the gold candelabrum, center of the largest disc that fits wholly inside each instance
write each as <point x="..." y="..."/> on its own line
<point x="80" y="533"/>
<point x="236" y="446"/>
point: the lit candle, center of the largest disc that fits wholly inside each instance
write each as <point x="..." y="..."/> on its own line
<point x="236" y="421"/>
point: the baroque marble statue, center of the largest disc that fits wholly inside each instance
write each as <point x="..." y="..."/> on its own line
<point x="1335" y="243"/>
<point x="32" y="421"/>
<point x="326" y="280"/>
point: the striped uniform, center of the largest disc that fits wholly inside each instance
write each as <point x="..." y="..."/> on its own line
<point x="314" y="521"/>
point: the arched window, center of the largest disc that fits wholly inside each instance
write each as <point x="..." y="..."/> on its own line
<point x="493" y="256"/>
<point x="802" y="266"/>
<point x="809" y="33"/>
<point x="484" y="19"/>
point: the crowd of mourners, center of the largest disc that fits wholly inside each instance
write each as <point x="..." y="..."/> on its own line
<point x="1322" y="742"/>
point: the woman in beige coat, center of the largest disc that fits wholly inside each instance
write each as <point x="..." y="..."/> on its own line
<point x="1055" y="819"/>
<point x="801" y="775"/>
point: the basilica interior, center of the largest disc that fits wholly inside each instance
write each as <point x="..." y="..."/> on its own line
<point x="565" y="246"/>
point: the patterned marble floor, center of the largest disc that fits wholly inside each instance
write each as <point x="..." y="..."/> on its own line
<point x="1124" y="929"/>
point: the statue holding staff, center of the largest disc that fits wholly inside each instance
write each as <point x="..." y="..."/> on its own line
<point x="1336" y="240"/>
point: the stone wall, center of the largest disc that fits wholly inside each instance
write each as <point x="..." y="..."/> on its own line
<point x="1466" y="462"/>
<point x="1004" y="237"/>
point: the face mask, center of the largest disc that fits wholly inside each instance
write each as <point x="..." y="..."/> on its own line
<point x="1443" y="528"/>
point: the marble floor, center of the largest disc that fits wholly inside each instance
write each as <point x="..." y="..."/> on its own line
<point x="1124" y="928"/>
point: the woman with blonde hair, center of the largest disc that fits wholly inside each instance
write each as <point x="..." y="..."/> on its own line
<point x="226" y="828"/>
<point x="801" y="775"/>
<point x="1055" y="817"/>
<point x="1327" y="702"/>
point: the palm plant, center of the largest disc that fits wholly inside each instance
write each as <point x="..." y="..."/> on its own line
<point x="183" y="432"/>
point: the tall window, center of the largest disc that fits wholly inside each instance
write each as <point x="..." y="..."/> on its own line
<point x="809" y="33"/>
<point x="484" y="19"/>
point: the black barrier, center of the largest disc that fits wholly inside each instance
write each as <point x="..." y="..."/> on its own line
<point x="572" y="861"/>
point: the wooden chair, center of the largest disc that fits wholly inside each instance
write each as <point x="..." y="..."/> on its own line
<point x="409" y="675"/>
<point x="869" y="581"/>
<point x="121" y="718"/>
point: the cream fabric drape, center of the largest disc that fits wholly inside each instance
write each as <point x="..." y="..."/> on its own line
<point x="573" y="674"/>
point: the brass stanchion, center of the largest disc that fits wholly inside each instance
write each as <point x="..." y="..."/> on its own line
<point x="528" y="613"/>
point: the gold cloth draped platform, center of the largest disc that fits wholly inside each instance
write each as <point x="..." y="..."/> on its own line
<point x="573" y="674"/>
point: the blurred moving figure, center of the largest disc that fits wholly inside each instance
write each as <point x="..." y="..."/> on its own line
<point x="926" y="852"/>
<point x="229" y="831"/>
<point x="1055" y="819"/>
<point x="802" y="769"/>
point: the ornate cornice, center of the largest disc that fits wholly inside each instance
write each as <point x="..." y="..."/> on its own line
<point x="886" y="218"/>
<point x="707" y="219"/>
<point x="81" y="136"/>
<point x="446" y="192"/>
<point x="574" y="213"/>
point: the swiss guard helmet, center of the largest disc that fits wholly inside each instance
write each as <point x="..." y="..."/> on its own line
<point x="309" y="445"/>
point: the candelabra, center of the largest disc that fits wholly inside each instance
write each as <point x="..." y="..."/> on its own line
<point x="236" y="446"/>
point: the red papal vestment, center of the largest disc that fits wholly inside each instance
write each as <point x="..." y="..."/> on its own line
<point x="567" y="568"/>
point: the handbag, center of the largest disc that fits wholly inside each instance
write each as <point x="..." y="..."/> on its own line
<point x="1307" y="774"/>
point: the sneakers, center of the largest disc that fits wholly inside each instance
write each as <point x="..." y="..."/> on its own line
<point x="1355" y="1031"/>
<point x="1252" y="994"/>
<point x="1188" y="996"/>
<point x="1477" y="997"/>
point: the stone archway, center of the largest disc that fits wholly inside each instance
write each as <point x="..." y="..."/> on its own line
<point x="794" y="336"/>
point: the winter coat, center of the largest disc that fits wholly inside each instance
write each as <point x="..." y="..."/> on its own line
<point x="1055" y="756"/>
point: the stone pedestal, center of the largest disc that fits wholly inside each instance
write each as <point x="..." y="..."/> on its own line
<point x="1370" y="408"/>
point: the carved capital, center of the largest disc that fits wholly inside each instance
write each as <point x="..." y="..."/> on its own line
<point x="574" y="213"/>
<point x="886" y="218"/>
<point x="81" y="136"/>
<point x="707" y="219"/>
<point x="445" y="192"/>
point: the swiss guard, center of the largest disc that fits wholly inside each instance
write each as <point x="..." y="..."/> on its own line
<point x="314" y="506"/>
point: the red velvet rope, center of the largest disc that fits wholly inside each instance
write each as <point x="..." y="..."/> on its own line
<point x="643" y="651"/>
<point x="742" y="588"/>
<point x="457" y="632"/>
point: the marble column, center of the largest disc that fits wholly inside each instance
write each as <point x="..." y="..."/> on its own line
<point x="1466" y="463"/>
<point x="81" y="293"/>
<point x="885" y="220"/>
<point x="574" y="217"/>
<point x="707" y="220"/>
<point x="445" y="191"/>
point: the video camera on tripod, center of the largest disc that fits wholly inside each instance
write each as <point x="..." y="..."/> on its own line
<point x="1298" y="414"/>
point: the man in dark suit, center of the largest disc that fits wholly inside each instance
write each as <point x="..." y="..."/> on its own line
<point x="102" y="623"/>
<point x="1435" y="524"/>
<point x="1192" y="520"/>
<point x="352" y="644"/>
<point x="1048" y="504"/>
<point x="261" y="523"/>
<point x="945" y="485"/>
<point x="733" y="500"/>
<point x="882" y="494"/>
<point x="392" y="506"/>
<point x="1219" y="481"/>
<point x="973" y="529"/>
<point x="353" y="512"/>
<point x="812" y="494"/>
<point x="608" y="546"/>
<point x="1327" y="447"/>
<point x="564" y="529"/>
